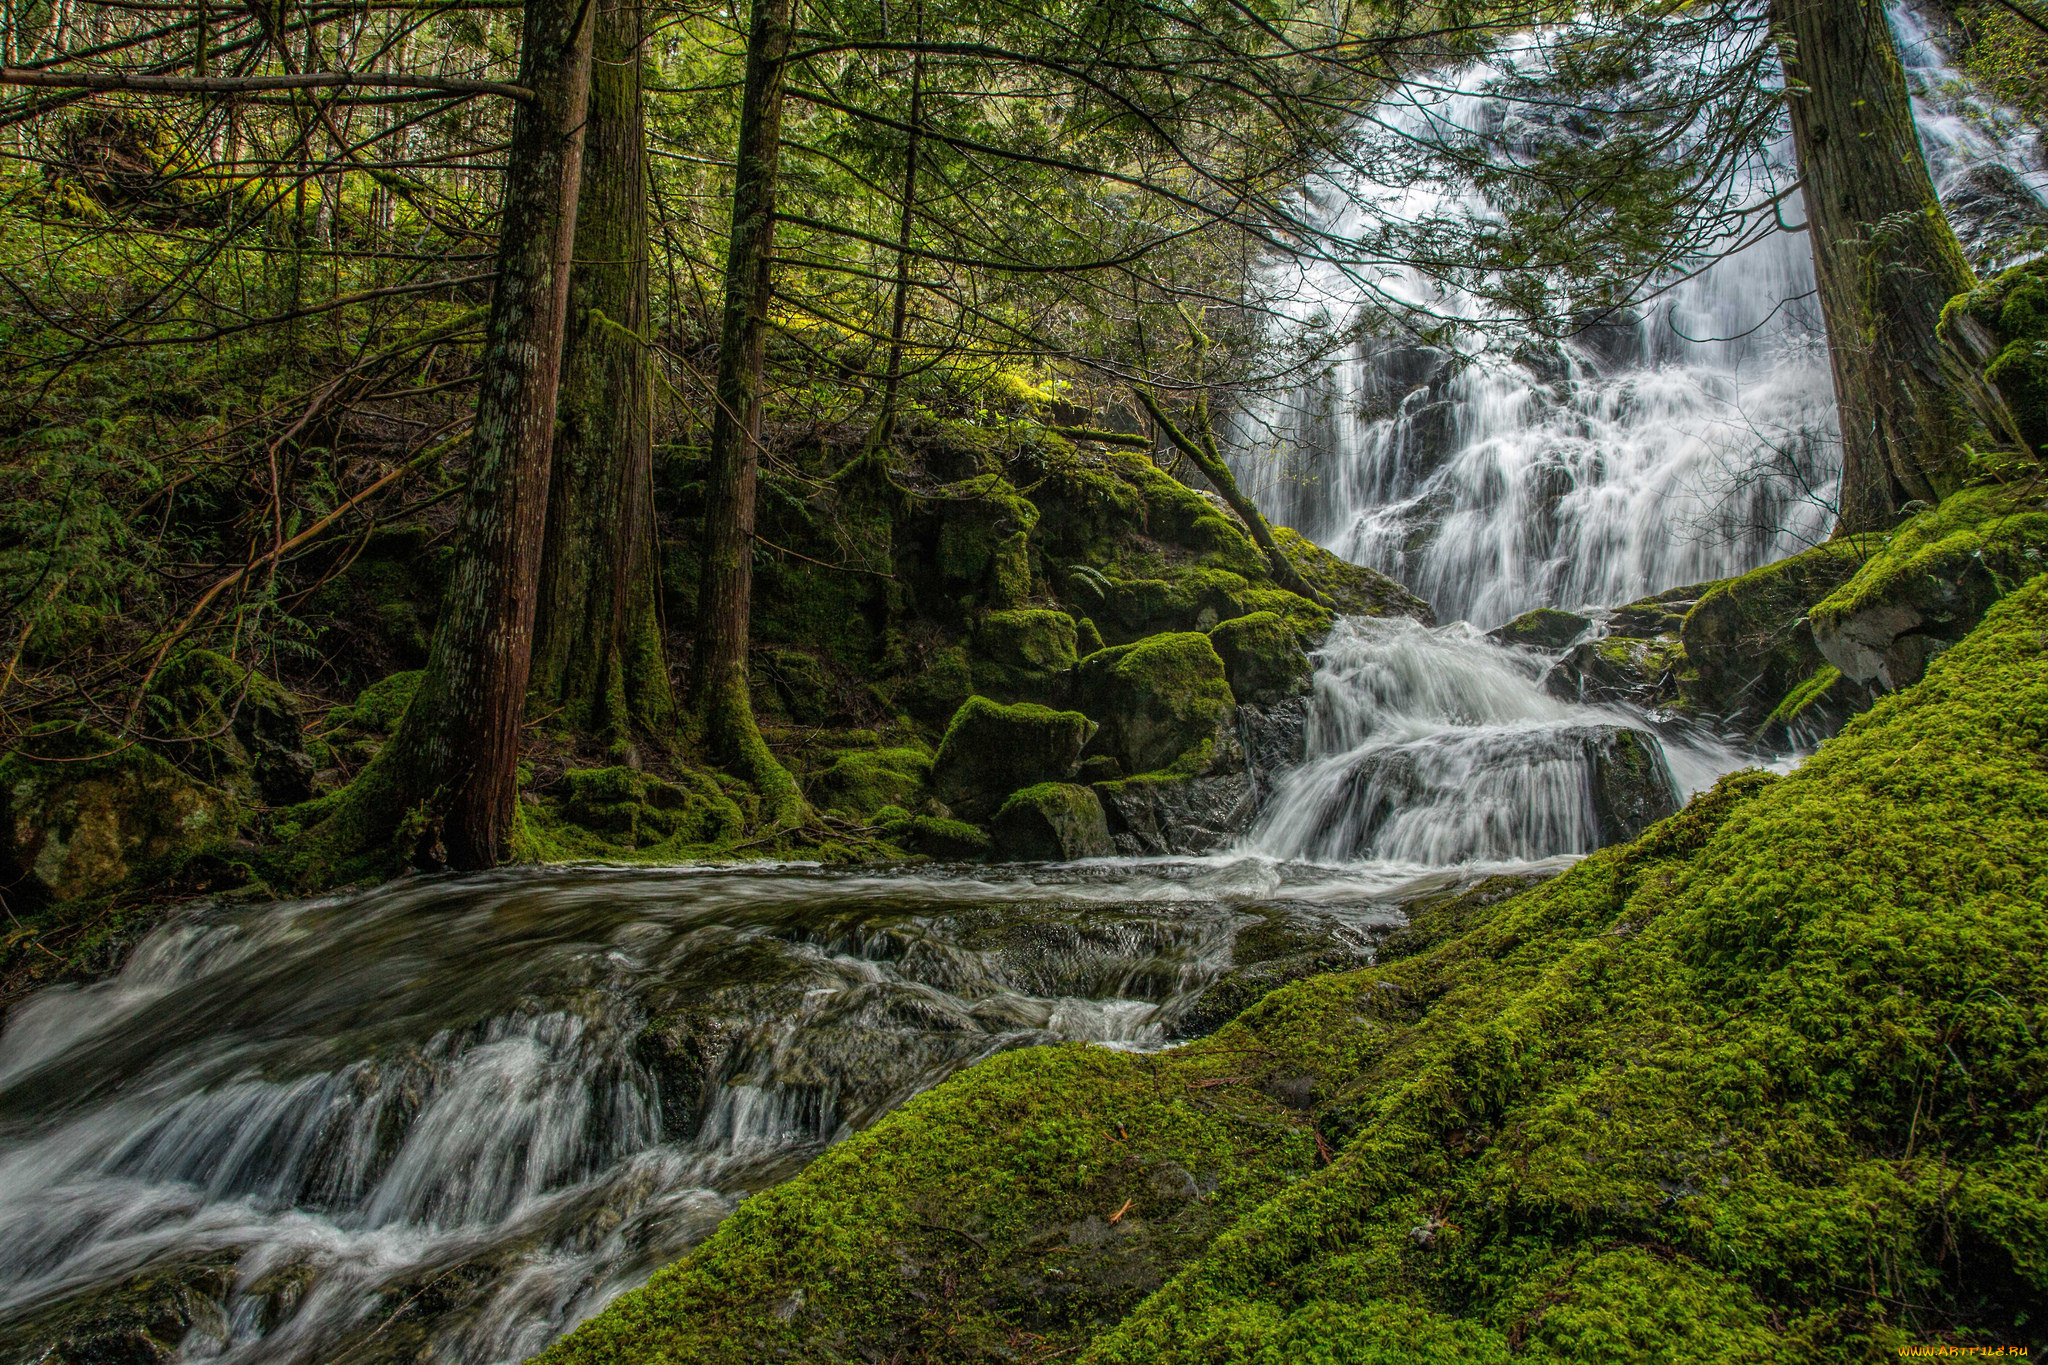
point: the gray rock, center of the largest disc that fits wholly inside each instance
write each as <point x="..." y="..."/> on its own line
<point x="1543" y="628"/>
<point x="1632" y="784"/>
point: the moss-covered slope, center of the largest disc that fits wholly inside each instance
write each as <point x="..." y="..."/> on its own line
<point x="1769" y="1083"/>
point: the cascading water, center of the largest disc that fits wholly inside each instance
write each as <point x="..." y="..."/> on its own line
<point x="445" y="1120"/>
<point x="1695" y="442"/>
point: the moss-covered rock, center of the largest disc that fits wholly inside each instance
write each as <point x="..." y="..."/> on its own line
<point x="231" y="727"/>
<point x="984" y="534"/>
<point x="1643" y="672"/>
<point x="1158" y="701"/>
<point x="1053" y="821"/>
<point x="1928" y="584"/>
<point x="607" y="813"/>
<point x="863" y="781"/>
<point x="935" y="837"/>
<point x="1018" y="655"/>
<point x="1688" y="1100"/>
<point x="991" y="750"/>
<point x="1262" y="658"/>
<point x="141" y="1320"/>
<point x="82" y="813"/>
<point x="1748" y="641"/>
<point x="1543" y="628"/>
<point x="1353" y="589"/>
<point x="2003" y="323"/>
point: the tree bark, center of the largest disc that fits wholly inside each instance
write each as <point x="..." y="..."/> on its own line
<point x="598" y="658"/>
<point x="1885" y="259"/>
<point x="448" y="774"/>
<point x="718" y="683"/>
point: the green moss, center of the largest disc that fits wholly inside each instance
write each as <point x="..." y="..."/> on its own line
<point x="2004" y="321"/>
<point x="1087" y="639"/>
<point x="863" y="781"/>
<point x="1354" y="589"/>
<point x="1156" y="700"/>
<point x="934" y="837"/>
<point x="984" y="540"/>
<point x="1032" y="639"/>
<point x="380" y="706"/>
<point x="1262" y="658"/>
<point x="1052" y="821"/>
<point x="623" y="813"/>
<point x="1928" y="563"/>
<point x="1767" y="1083"/>
<point x="1310" y="621"/>
<point x="991" y="750"/>
<point x="934" y="691"/>
<point x="1747" y="641"/>
<point x="1543" y="628"/>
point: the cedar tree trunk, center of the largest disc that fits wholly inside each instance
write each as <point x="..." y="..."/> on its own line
<point x="597" y="648"/>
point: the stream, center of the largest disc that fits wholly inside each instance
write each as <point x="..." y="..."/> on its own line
<point x="449" y="1118"/>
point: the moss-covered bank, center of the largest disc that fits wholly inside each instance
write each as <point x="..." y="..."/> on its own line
<point x="1769" y="1083"/>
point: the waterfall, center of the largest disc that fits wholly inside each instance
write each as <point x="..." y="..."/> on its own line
<point x="1691" y="442"/>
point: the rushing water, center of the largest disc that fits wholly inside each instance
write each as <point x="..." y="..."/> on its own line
<point x="1694" y="441"/>
<point x="446" y="1119"/>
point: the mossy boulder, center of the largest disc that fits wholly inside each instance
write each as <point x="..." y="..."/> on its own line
<point x="231" y="727"/>
<point x="1543" y="628"/>
<point x="983" y="550"/>
<point x="1262" y="658"/>
<point x="991" y="750"/>
<point x="141" y="1320"/>
<point x="1128" y="609"/>
<point x="1158" y="701"/>
<point x="1680" y="1102"/>
<point x="1748" y="641"/>
<point x="1927" y="584"/>
<point x="1353" y="589"/>
<point x="82" y="813"/>
<point x="863" y="781"/>
<point x="1018" y="655"/>
<point x="1643" y="672"/>
<point x="1051" y="822"/>
<point x="950" y="841"/>
<point x="1632" y="784"/>
<point x="934" y="683"/>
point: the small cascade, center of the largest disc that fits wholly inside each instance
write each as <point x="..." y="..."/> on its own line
<point x="446" y="1120"/>
<point x="1437" y="747"/>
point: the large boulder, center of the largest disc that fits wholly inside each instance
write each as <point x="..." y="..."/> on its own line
<point x="1643" y="672"/>
<point x="1928" y="586"/>
<point x="1748" y="641"/>
<point x="1051" y="822"/>
<point x="863" y="781"/>
<point x="991" y="750"/>
<point x="1353" y="589"/>
<point x="1631" y="782"/>
<point x="1262" y="658"/>
<point x="1158" y="701"/>
<point x="81" y="814"/>
<point x="1019" y="655"/>
<point x="1207" y="798"/>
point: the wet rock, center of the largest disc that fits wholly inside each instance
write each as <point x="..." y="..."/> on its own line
<point x="1632" y="784"/>
<point x="991" y="750"/>
<point x="1994" y="214"/>
<point x="1353" y="589"/>
<point x="1157" y="701"/>
<point x="1543" y="628"/>
<point x="1815" y="710"/>
<point x="1748" y="642"/>
<point x="1274" y="739"/>
<point x="1200" y="804"/>
<point x="142" y="1320"/>
<point x="1051" y="822"/>
<point x="1643" y="672"/>
<point x="1650" y="618"/>
<point x="1262" y="658"/>
<point x="1266" y="956"/>
<point x="1927" y="585"/>
<point x="83" y="827"/>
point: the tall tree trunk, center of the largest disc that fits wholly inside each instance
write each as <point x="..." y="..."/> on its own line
<point x="597" y="649"/>
<point x="449" y="771"/>
<point x="718" y="682"/>
<point x="1884" y="256"/>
